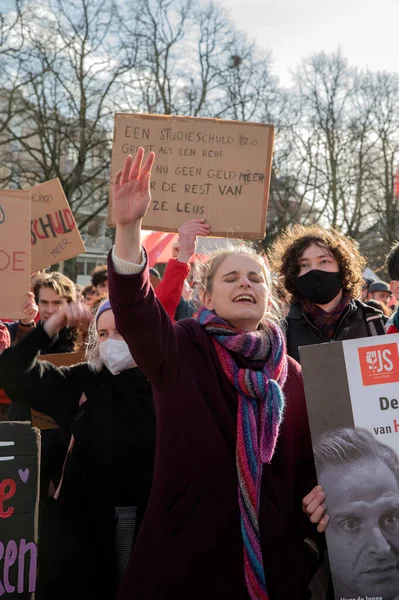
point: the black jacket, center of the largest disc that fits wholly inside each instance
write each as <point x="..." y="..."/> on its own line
<point x="357" y="321"/>
<point x="62" y="342"/>
<point x="184" y="310"/>
<point x="110" y="464"/>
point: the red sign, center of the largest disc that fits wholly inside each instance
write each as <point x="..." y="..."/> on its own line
<point x="379" y="364"/>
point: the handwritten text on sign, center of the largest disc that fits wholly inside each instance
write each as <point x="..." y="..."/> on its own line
<point x="18" y="509"/>
<point x="14" y="255"/>
<point x="218" y="170"/>
<point x="54" y="234"/>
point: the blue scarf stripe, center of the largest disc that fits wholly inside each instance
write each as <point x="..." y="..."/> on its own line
<point x="257" y="565"/>
<point x="276" y="402"/>
<point x="249" y="509"/>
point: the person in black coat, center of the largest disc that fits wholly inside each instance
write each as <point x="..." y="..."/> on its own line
<point x="104" y="406"/>
<point x="51" y="292"/>
<point x="322" y="271"/>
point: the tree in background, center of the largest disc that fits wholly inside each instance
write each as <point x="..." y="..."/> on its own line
<point x="73" y="60"/>
<point x="69" y="65"/>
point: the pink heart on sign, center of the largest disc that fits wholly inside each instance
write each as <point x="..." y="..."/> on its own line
<point x="24" y="474"/>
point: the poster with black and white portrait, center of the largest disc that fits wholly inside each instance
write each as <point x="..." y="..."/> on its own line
<point x="352" y="395"/>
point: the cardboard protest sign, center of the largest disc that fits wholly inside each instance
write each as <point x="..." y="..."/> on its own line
<point x="19" y="504"/>
<point x="42" y="421"/>
<point x="351" y="392"/>
<point x="66" y="359"/>
<point x="15" y="253"/>
<point x="55" y="236"/>
<point x="218" y="170"/>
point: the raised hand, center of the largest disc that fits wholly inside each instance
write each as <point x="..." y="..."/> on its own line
<point x="132" y="195"/>
<point x="188" y="237"/>
<point x="176" y="249"/>
<point x="73" y="314"/>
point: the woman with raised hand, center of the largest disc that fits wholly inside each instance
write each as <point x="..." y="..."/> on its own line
<point x="233" y="454"/>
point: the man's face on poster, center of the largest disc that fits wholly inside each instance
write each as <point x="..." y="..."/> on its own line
<point x="363" y="533"/>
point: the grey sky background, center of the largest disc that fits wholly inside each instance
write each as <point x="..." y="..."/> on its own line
<point x="367" y="31"/>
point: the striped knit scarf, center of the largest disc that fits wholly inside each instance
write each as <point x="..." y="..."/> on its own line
<point x="260" y="412"/>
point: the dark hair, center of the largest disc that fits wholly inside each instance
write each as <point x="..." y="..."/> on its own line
<point x="99" y="275"/>
<point x="88" y="289"/>
<point x="288" y="248"/>
<point x="393" y="262"/>
<point x="379" y="306"/>
<point x="348" y="446"/>
<point x="62" y="285"/>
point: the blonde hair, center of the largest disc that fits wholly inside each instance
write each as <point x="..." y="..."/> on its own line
<point x="208" y="270"/>
<point x="92" y="352"/>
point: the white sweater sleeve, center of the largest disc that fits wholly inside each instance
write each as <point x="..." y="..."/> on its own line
<point x="124" y="267"/>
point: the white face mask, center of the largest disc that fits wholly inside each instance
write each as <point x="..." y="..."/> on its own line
<point x="116" y="356"/>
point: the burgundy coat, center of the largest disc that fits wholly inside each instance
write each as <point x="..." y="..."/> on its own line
<point x="189" y="546"/>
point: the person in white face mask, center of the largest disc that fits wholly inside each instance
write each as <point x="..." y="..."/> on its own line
<point x="113" y="350"/>
<point x="104" y="408"/>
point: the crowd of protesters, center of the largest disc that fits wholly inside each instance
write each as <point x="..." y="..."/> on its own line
<point x="181" y="451"/>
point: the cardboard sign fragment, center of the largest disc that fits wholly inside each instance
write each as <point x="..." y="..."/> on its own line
<point x="15" y="253"/>
<point x="55" y="235"/>
<point x="204" y="168"/>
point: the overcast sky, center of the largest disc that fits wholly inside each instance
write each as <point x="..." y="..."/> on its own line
<point x="366" y="30"/>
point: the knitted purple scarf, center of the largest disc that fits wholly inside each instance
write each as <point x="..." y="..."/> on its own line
<point x="260" y="412"/>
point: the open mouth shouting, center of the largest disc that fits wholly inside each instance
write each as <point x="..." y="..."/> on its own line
<point x="244" y="298"/>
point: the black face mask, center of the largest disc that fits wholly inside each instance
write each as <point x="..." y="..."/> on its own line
<point x="320" y="287"/>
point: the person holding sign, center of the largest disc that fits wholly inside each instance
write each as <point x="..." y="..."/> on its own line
<point x="360" y="479"/>
<point x="51" y="292"/>
<point x="88" y="529"/>
<point x="322" y="270"/>
<point x="233" y="452"/>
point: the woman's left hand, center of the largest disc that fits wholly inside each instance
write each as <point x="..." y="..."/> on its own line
<point x="313" y="505"/>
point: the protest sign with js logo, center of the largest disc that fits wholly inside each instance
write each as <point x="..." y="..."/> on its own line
<point x="379" y="364"/>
